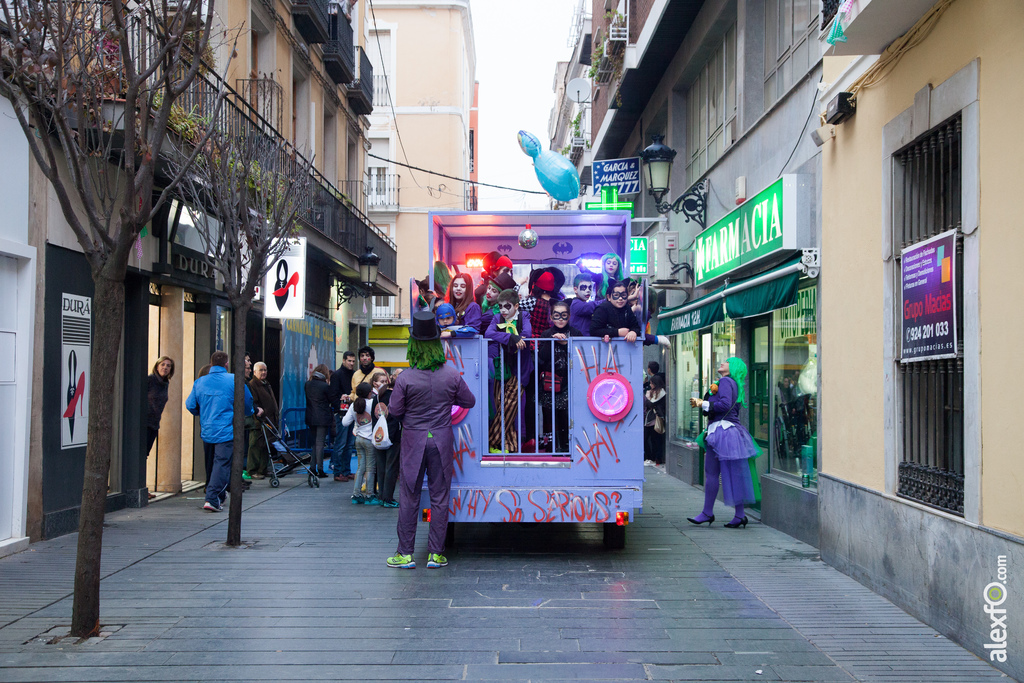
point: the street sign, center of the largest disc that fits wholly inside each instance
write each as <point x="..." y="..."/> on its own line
<point x="622" y="174"/>
<point x="638" y="256"/>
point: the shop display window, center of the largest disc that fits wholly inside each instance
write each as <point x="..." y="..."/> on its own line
<point x="687" y="384"/>
<point x="794" y="446"/>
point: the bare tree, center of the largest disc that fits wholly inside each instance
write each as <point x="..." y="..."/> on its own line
<point x="252" y="188"/>
<point x="95" y="86"/>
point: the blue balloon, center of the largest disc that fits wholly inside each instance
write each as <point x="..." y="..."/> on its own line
<point x="556" y="174"/>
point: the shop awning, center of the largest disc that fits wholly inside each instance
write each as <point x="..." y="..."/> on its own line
<point x="775" y="289"/>
<point x="756" y="295"/>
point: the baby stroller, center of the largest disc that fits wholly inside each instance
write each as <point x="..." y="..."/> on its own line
<point x="279" y="449"/>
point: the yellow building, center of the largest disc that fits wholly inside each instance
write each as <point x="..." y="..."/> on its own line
<point x="424" y="61"/>
<point x="920" y="491"/>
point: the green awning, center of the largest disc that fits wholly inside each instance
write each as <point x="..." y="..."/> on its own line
<point x="769" y="295"/>
<point x="692" y="316"/>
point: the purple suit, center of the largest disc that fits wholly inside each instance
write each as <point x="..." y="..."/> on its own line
<point x="580" y="313"/>
<point x="471" y="316"/>
<point x="423" y="400"/>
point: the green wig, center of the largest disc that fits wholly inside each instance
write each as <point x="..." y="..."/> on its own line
<point x="738" y="371"/>
<point x="602" y="284"/>
<point x="425" y="354"/>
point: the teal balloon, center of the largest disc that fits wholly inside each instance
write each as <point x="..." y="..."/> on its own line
<point x="556" y="174"/>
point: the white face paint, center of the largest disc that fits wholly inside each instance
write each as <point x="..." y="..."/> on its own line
<point x="611" y="266"/>
<point x="584" y="290"/>
<point x="459" y="289"/>
<point x="508" y="311"/>
<point x="492" y="293"/>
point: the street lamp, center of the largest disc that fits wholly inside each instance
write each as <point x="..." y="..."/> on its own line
<point x="369" y="264"/>
<point x="657" y="159"/>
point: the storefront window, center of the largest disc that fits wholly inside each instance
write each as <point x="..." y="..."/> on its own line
<point x="795" y="387"/>
<point x="222" y="320"/>
<point x="687" y="384"/>
<point x="723" y="343"/>
<point x="758" y="402"/>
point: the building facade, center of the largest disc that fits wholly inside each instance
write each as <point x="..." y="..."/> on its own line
<point x="301" y="59"/>
<point x="425" y="96"/>
<point x="919" y="489"/>
<point x="731" y="87"/>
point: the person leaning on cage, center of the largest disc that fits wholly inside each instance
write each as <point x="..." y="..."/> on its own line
<point x="512" y="359"/>
<point x="613" y="318"/>
<point x="422" y="398"/>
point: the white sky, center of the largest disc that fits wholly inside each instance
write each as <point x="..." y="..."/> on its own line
<point x="517" y="46"/>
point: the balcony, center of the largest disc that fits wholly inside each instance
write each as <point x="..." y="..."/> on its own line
<point x="265" y="95"/>
<point x="360" y="91"/>
<point x="871" y="25"/>
<point x="380" y="90"/>
<point x="382" y="190"/>
<point x="312" y="20"/>
<point x="355" y="193"/>
<point x="471" y="198"/>
<point x="339" y="53"/>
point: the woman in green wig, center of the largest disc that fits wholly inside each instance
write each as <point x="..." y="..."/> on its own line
<point x="727" y="446"/>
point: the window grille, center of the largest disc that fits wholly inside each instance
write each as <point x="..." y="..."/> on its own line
<point x="927" y="187"/>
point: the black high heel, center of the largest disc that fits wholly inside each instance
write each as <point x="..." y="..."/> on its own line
<point x="741" y="523"/>
<point x="691" y="520"/>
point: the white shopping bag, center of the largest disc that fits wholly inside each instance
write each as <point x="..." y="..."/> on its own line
<point x="381" y="435"/>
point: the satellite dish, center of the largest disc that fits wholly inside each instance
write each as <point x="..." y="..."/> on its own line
<point x="578" y="90"/>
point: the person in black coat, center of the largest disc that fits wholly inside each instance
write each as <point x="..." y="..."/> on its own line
<point x="318" y="413"/>
<point x="553" y="362"/>
<point x="387" y="460"/>
<point x="342" y="438"/>
<point x="613" y="318"/>
<point x="159" y="383"/>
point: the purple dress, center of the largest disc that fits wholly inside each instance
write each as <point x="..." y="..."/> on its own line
<point x="730" y="444"/>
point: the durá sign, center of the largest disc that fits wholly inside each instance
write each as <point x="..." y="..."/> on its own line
<point x="773" y="220"/>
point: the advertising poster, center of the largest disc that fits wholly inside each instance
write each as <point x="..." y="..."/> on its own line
<point x="285" y="283"/>
<point x="622" y="174"/>
<point x="928" y="278"/>
<point x="306" y="343"/>
<point x="76" y="356"/>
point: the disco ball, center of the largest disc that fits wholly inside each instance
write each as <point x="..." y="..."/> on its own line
<point x="528" y="238"/>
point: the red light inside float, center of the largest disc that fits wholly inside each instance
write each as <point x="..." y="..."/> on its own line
<point x="426" y="514"/>
<point x="622" y="518"/>
<point x="474" y="260"/>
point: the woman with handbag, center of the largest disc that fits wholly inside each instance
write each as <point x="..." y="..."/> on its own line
<point x="654" y="422"/>
<point x="727" y="445"/>
<point x="553" y="359"/>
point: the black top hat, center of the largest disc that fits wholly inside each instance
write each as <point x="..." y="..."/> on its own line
<point x="424" y="326"/>
<point x="504" y="281"/>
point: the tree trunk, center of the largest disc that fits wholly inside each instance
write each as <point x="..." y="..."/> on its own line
<point x="108" y="309"/>
<point x="239" y="316"/>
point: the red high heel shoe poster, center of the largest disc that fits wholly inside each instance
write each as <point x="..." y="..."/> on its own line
<point x="285" y="283"/>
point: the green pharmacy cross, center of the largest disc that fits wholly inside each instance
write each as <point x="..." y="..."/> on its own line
<point x="609" y="201"/>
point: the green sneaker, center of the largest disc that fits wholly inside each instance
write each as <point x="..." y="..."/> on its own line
<point x="400" y="561"/>
<point x="245" y="476"/>
<point x="436" y="560"/>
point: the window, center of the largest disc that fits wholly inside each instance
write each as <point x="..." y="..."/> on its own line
<point x="472" y="151"/>
<point x="794" y="387"/>
<point x="790" y="45"/>
<point x="711" y="109"/>
<point x="687" y="385"/>
<point x="927" y="191"/>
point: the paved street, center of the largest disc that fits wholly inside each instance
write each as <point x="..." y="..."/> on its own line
<point x="310" y="598"/>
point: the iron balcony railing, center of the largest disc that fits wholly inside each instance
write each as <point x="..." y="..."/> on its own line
<point x="360" y="91"/>
<point x="311" y="20"/>
<point x="265" y="95"/>
<point x="325" y="210"/>
<point x="380" y="91"/>
<point x="382" y="189"/>
<point x="339" y="52"/>
<point x="355" y="193"/>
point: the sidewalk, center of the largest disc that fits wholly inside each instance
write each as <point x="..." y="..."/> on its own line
<point x="309" y="598"/>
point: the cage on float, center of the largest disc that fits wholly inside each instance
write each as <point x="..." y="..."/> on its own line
<point x="597" y="476"/>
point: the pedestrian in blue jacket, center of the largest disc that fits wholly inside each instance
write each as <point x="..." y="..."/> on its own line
<point x="212" y="399"/>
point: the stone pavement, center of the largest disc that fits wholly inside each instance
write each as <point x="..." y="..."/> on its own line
<point x="309" y="598"/>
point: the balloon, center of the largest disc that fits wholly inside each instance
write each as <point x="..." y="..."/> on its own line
<point x="556" y="174"/>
